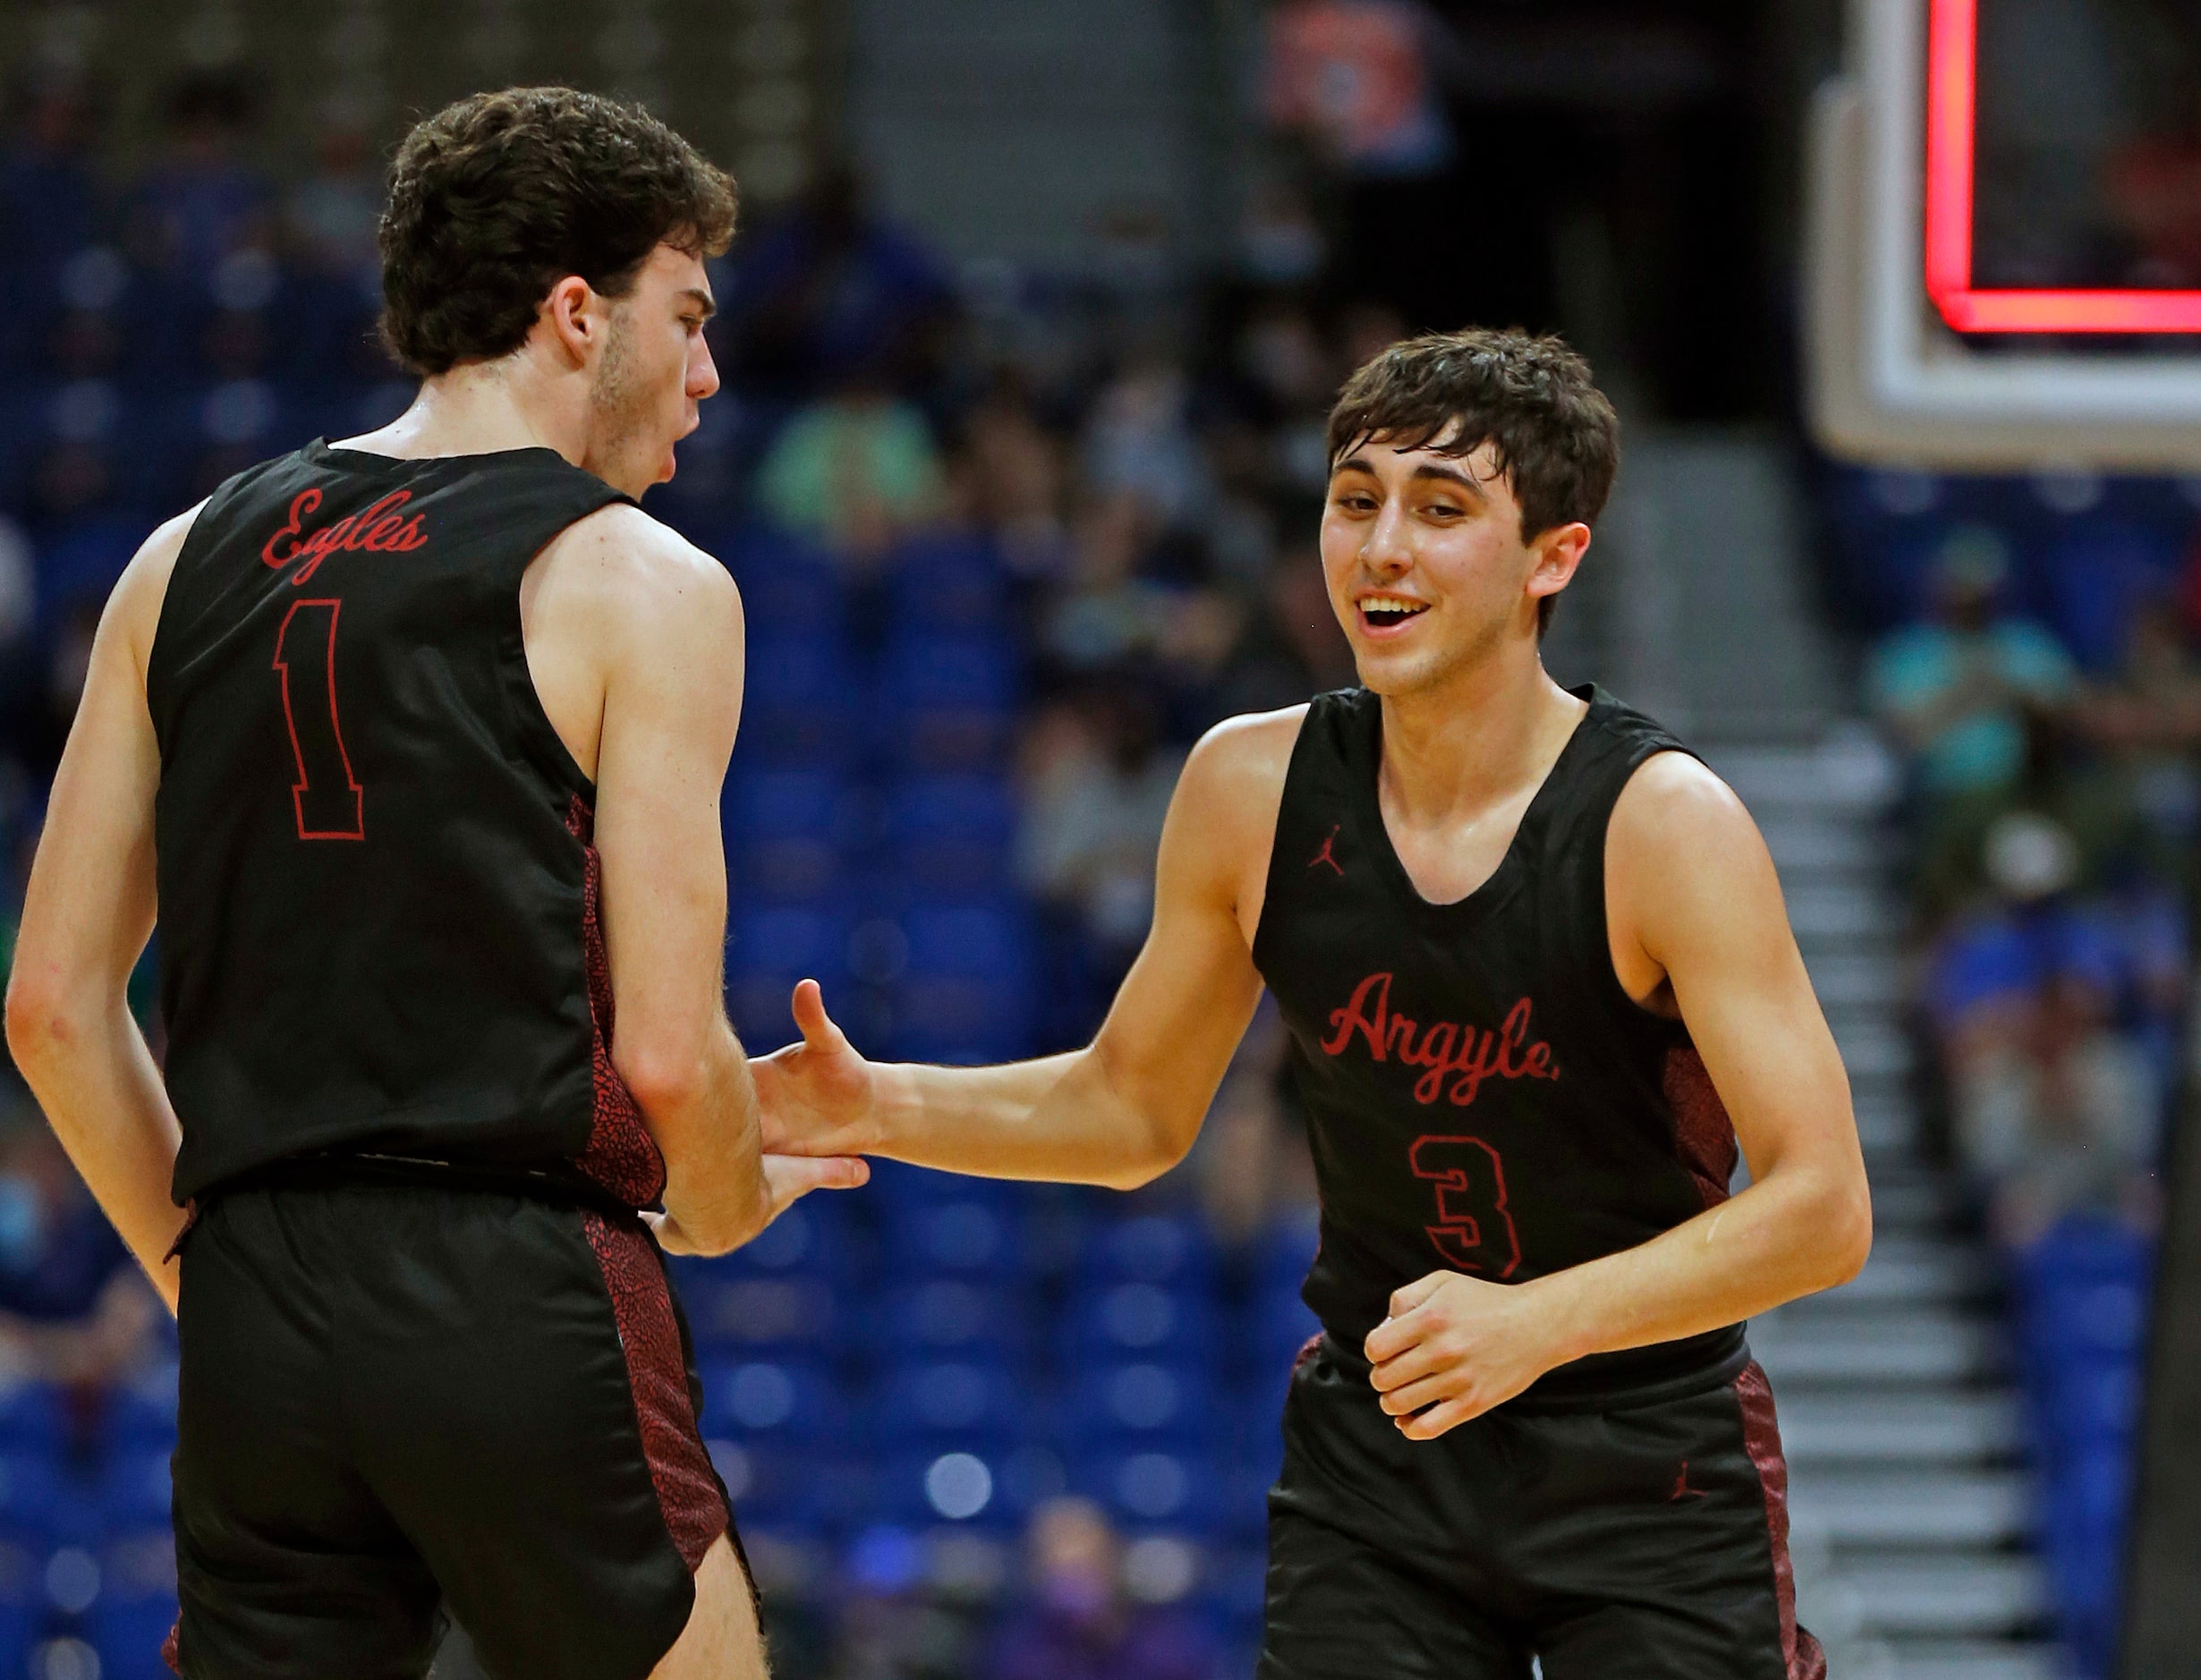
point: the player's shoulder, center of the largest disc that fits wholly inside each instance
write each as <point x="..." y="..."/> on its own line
<point x="1675" y="813"/>
<point x="1232" y="786"/>
<point x="144" y="588"/>
<point x="641" y="565"/>
<point x="1251" y="751"/>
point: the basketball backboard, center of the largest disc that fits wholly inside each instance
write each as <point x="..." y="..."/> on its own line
<point x="1920" y="347"/>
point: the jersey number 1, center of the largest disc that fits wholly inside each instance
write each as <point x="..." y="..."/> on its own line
<point x="327" y="796"/>
<point x="1473" y="1232"/>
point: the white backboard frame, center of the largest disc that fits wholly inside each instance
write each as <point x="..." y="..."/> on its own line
<point x="1884" y="380"/>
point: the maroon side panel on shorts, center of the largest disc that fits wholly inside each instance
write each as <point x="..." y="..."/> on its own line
<point x="1762" y="1438"/>
<point x="688" y="1492"/>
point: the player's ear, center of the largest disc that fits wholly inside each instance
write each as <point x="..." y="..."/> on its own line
<point x="569" y="311"/>
<point x="1557" y="552"/>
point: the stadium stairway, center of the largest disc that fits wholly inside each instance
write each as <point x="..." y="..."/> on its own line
<point x="1912" y="1506"/>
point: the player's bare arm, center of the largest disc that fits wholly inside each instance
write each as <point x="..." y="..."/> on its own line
<point x="1127" y="1107"/>
<point x="1698" y="929"/>
<point x="635" y="640"/>
<point x="87" y="915"/>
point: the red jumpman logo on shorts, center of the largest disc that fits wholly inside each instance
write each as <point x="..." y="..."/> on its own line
<point x="1682" y="1490"/>
<point x="1327" y="856"/>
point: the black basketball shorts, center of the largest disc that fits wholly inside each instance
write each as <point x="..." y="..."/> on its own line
<point x="397" y="1397"/>
<point x="1637" y="1538"/>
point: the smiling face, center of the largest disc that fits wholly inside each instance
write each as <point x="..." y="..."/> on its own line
<point x="1426" y="565"/>
<point x="653" y="373"/>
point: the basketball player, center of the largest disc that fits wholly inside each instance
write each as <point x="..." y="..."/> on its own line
<point x="416" y="742"/>
<point x="1534" y="960"/>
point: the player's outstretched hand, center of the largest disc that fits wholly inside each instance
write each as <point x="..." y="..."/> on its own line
<point x="1453" y="1347"/>
<point x="787" y="1179"/>
<point x="818" y="1096"/>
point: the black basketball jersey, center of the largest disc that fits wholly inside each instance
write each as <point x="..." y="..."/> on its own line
<point x="1482" y="1094"/>
<point x="377" y="893"/>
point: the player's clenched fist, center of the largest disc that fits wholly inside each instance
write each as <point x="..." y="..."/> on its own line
<point x="1453" y="1347"/>
<point x="818" y="1096"/>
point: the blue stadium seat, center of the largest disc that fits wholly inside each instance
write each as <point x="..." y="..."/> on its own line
<point x="965" y="993"/>
<point x="803" y="703"/>
<point x="1154" y="1248"/>
<point x="950" y="1319"/>
<point x="979" y="1404"/>
<point x="949" y="584"/>
<point x="34" y="1418"/>
<point x="968" y="1486"/>
<point x="36" y="1502"/>
<point x="1287" y="1249"/>
<point x="790" y="590"/>
<point x="786" y="831"/>
<point x="771" y="1403"/>
<point x="133" y="1488"/>
<point x="142" y="1415"/>
<point x="952" y="835"/>
<point x="1141" y="1321"/>
<point x="732" y="1310"/>
<point x="946" y="703"/>
<point x="1168" y="1407"/>
<point x="972" y="1236"/>
<point x="2096" y="571"/>
<point x="770" y="948"/>
<point x="793" y="1492"/>
<point x="1146" y="1489"/>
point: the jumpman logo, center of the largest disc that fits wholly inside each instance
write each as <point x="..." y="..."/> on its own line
<point x="1682" y="1490"/>
<point x="1326" y="856"/>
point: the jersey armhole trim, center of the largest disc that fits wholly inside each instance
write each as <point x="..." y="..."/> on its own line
<point x="530" y="719"/>
<point x="1300" y="743"/>
<point x="189" y="552"/>
<point x="1610" y="976"/>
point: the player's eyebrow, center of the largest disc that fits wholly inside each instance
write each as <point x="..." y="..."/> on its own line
<point x="702" y="300"/>
<point x="1453" y="475"/>
<point x="1448" y="475"/>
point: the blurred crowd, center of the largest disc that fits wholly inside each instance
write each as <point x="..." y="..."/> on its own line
<point x="2036" y="658"/>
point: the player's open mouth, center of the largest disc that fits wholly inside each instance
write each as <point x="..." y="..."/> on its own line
<point x="1388" y="612"/>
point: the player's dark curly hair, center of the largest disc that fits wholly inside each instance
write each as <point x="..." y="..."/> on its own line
<point x="496" y="199"/>
<point x="1554" y="436"/>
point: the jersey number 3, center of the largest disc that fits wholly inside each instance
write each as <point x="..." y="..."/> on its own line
<point x="1473" y="1232"/>
<point x="327" y="796"/>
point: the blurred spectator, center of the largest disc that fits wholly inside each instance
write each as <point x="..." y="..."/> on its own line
<point x="1083" y="1624"/>
<point x="1972" y="846"/>
<point x="1954" y="691"/>
<point x="1139" y="442"/>
<point x="331" y="215"/>
<point x="2149" y="719"/>
<point x="894" y="1623"/>
<point x="1100" y="780"/>
<point x="1017" y="482"/>
<point x="202" y="202"/>
<point x="48" y="201"/>
<point x="826" y="291"/>
<point x="1251" y="1160"/>
<point x="73" y="1308"/>
<point x="1354" y="76"/>
<point x="856" y="470"/>
<point x="1112" y="612"/>
<point x="1291" y="646"/>
<point x="2056" y="1112"/>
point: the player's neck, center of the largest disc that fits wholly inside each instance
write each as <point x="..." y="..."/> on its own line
<point x="479" y="408"/>
<point x="1474" y="740"/>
